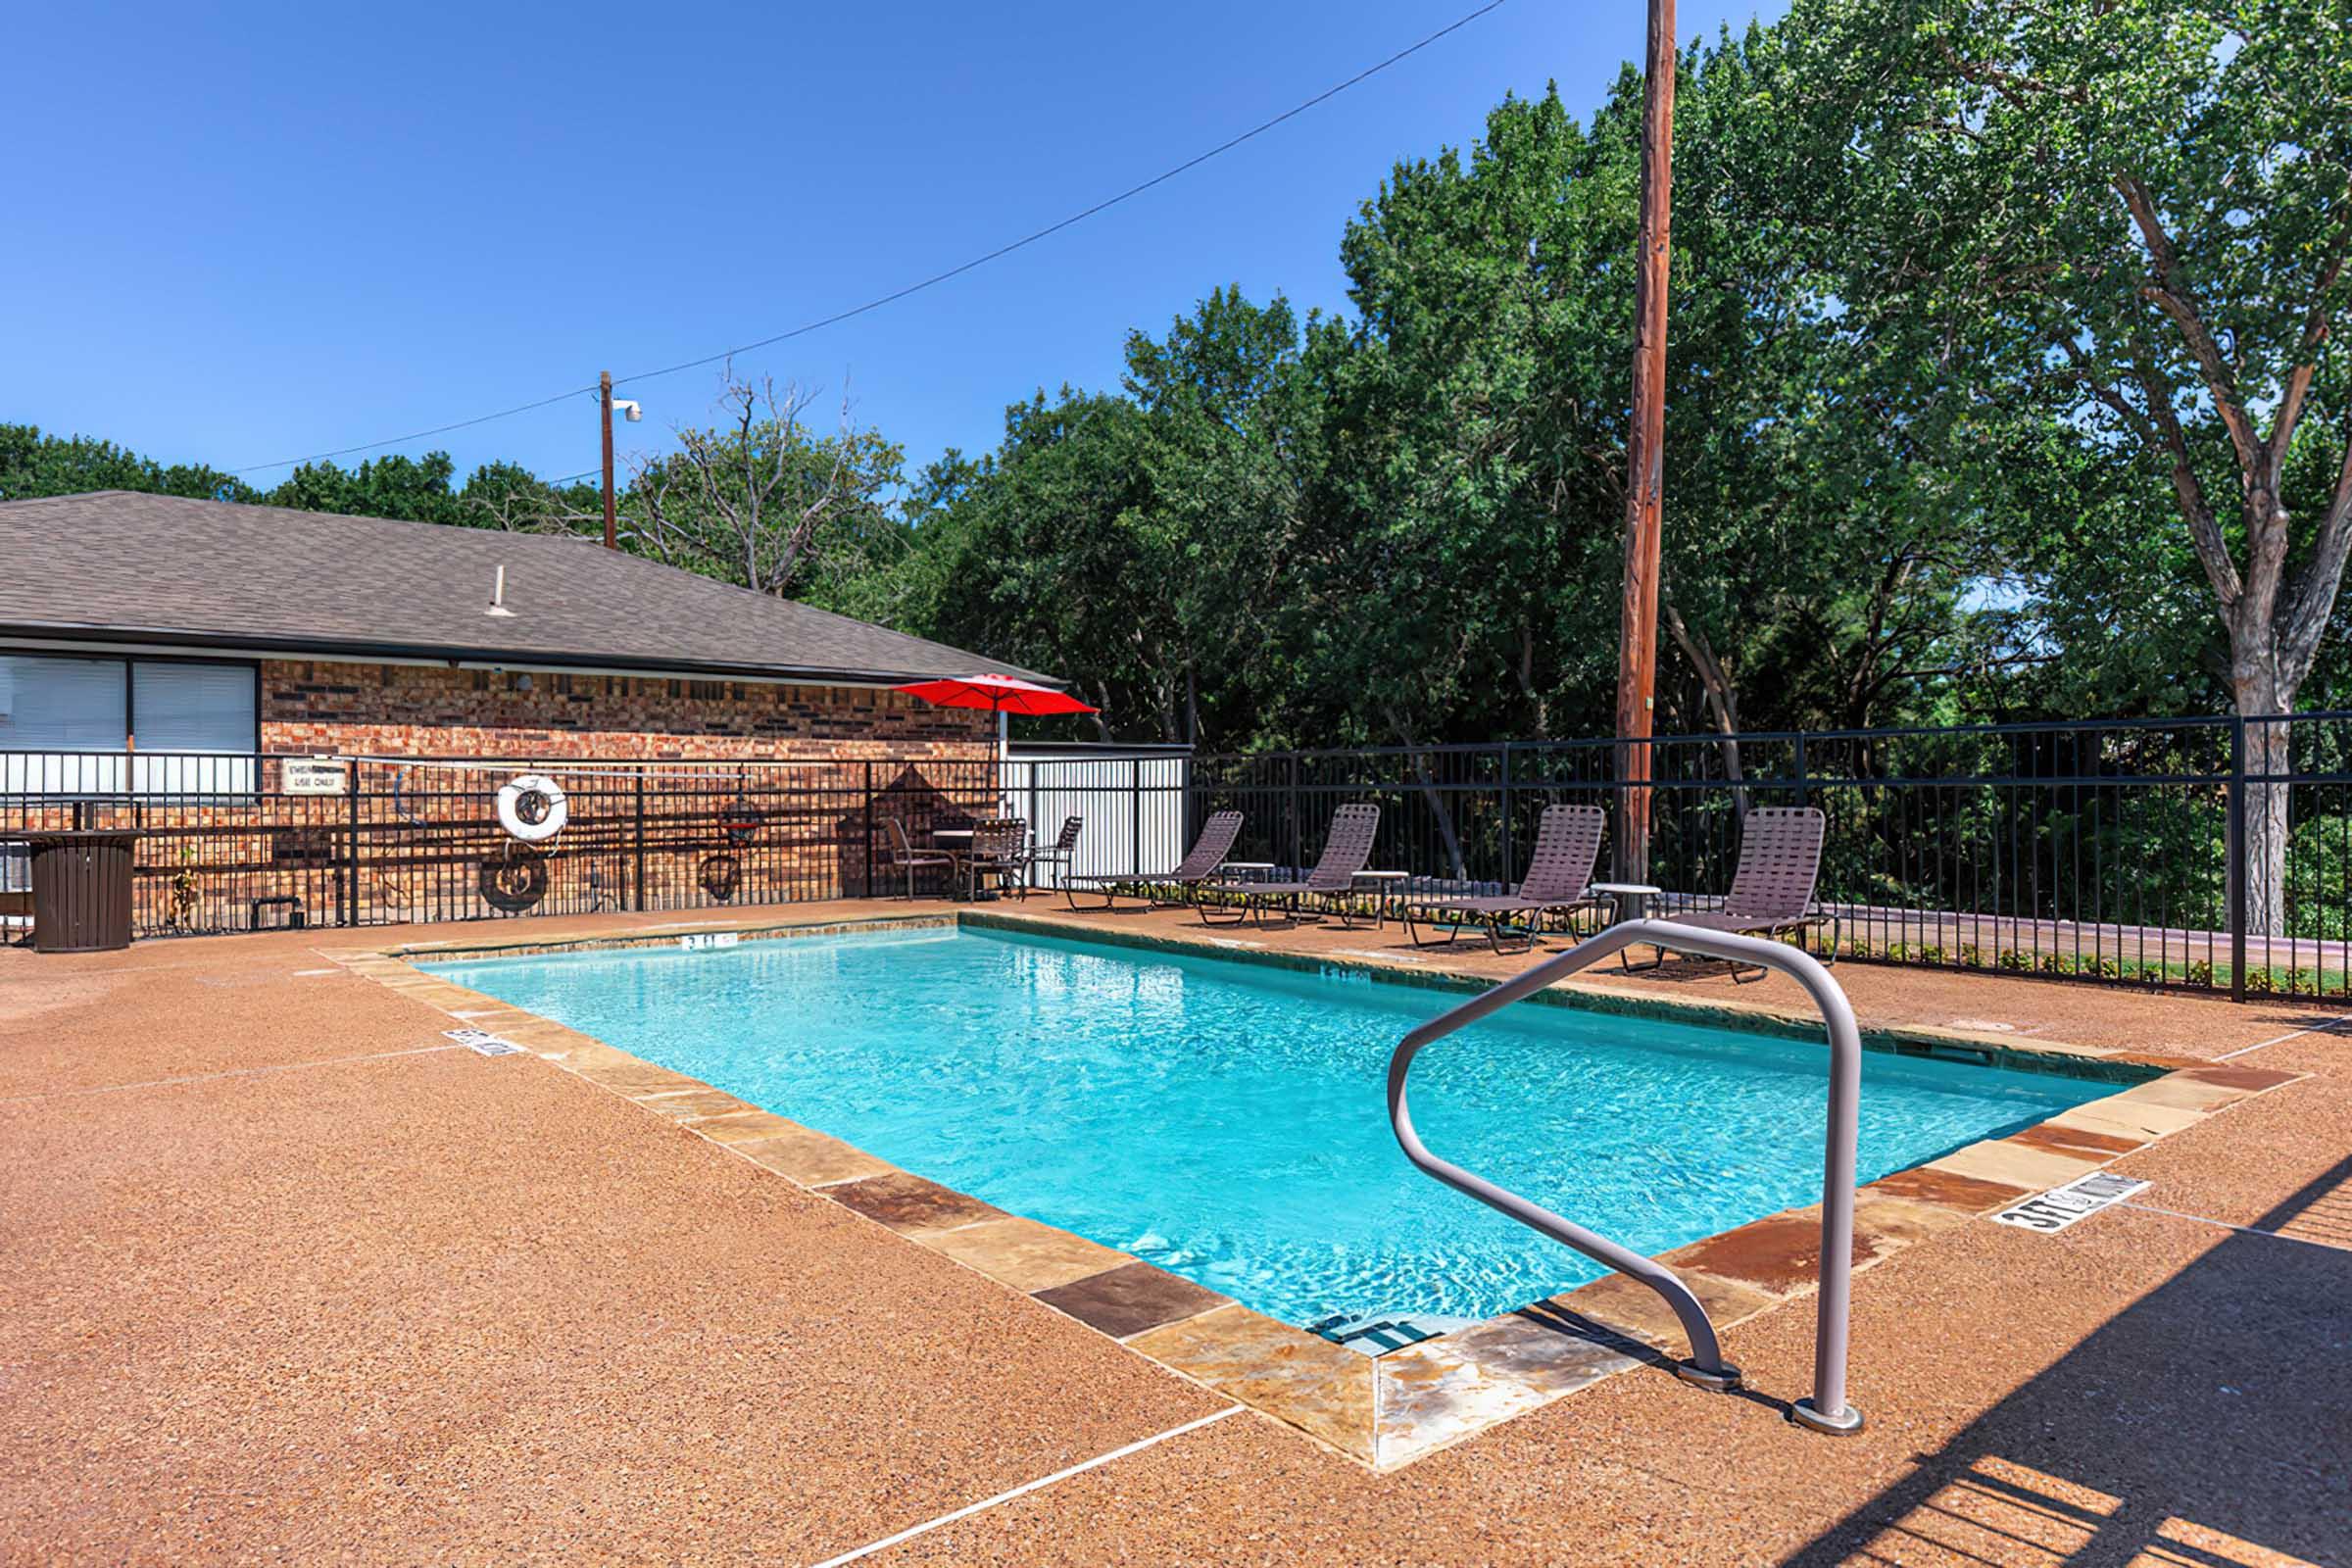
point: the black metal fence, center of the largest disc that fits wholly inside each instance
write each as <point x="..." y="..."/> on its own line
<point x="2204" y="854"/>
<point x="247" y="843"/>
<point x="2201" y="854"/>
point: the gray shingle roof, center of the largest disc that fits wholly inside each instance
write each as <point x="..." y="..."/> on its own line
<point x="113" y="563"/>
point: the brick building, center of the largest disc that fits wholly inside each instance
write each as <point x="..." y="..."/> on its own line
<point x="135" y="622"/>
<point x="163" y="660"/>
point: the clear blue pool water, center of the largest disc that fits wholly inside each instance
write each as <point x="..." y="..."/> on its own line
<point x="1225" y="1119"/>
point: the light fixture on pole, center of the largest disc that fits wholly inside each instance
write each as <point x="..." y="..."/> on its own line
<point x="629" y="411"/>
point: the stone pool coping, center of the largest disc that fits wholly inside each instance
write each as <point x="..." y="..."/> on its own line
<point x="1383" y="1411"/>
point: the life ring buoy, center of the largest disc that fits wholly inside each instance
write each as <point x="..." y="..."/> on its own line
<point x="739" y="819"/>
<point x="719" y="876"/>
<point x="513" y="880"/>
<point x="532" y="808"/>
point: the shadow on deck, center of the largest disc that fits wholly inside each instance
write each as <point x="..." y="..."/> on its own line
<point x="2209" y="1424"/>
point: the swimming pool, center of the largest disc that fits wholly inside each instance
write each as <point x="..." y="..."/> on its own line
<point x="1224" y="1119"/>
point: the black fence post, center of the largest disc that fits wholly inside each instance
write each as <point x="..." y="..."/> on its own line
<point x="869" y="829"/>
<point x="2236" y="837"/>
<point x="1297" y="837"/>
<point x="1510" y="861"/>
<point x="637" y="843"/>
<point x="1135" y="815"/>
<point x="1801" y="786"/>
<point x="351" y="845"/>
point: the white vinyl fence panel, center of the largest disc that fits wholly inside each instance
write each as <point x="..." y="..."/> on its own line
<point x="1133" y="809"/>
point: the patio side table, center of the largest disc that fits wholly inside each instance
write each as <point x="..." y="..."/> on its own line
<point x="1632" y="898"/>
<point x="1388" y="888"/>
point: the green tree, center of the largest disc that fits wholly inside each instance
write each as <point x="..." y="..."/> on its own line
<point x="2136" y="214"/>
<point x="763" y="501"/>
<point x="33" y="464"/>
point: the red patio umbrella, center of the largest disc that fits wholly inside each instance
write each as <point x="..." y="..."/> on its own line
<point x="998" y="694"/>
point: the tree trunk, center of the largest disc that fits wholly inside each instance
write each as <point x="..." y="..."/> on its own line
<point x="1539" y="709"/>
<point x="1437" y="801"/>
<point x="1101" y="713"/>
<point x="1722" y="704"/>
<point x="2260" y="695"/>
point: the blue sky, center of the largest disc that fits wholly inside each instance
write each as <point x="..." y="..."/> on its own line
<point x="248" y="234"/>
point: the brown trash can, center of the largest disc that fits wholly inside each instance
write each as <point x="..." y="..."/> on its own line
<point x="81" y="891"/>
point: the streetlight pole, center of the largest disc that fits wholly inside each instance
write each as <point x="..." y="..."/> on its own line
<point x="604" y="403"/>
<point x="1644" y="453"/>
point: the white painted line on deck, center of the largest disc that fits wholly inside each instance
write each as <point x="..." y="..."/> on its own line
<point x="2221" y="1224"/>
<point x="305" y="974"/>
<point x="2292" y="1034"/>
<point x="229" y="1072"/>
<point x="1025" y="1489"/>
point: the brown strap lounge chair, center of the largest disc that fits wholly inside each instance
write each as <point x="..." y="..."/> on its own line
<point x="1345" y="849"/>
<point x="900" y="855"/>
<point x="1209" y="851"/>
<point x="1771" y="888"/>
<point x="1559" y="881"/>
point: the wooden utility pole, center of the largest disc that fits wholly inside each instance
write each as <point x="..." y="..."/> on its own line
<point x="1645" y="455"/>
<point x="603" y="382"/>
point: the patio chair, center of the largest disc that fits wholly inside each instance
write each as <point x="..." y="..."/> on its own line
<point x="900" y="855"/>
<point x="1060" y="854"/>
<point x="1559" y="881"/>
<point x="1772" y="887"/>
<point x="1208" y="854"/>
<point x="1345" y="849"/>
<point x="997" y="845"/>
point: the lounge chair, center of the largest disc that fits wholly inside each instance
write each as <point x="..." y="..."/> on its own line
<point x="902" y="856"/>
<point x="1345" y="849"/>
<point x="1060" y="854"/>
<point x="1559" y="881"/>
<point x="1772" y="887"/>
<point x="1209" y="851"/>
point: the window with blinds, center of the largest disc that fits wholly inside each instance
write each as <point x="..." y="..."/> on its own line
<point x="76" y="725"/>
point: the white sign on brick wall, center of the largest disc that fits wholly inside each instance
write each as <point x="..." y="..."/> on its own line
<point x="309" y="775"/>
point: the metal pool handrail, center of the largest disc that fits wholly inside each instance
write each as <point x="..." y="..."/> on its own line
<point x="1827" y="1410"/>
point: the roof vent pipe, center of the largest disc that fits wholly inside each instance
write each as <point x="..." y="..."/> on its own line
<point x="498" y="594"/>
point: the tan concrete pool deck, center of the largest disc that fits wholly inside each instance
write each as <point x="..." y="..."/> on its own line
<point x="291" y="1278"/>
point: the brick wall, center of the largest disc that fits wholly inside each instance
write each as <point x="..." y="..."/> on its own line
<point x="418" y="710"/>
<point x="798" y="823"/>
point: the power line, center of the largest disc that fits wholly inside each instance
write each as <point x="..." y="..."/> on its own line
<point x="936" y="279"/>
<point x="414" y="435"/>
<point x="1080" y="217"/>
